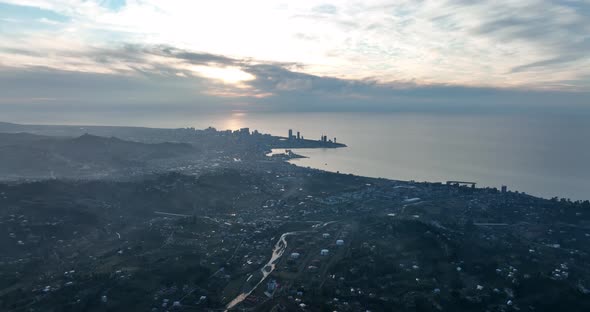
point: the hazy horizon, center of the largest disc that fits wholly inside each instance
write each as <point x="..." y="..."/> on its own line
<point x="542" y="155"/>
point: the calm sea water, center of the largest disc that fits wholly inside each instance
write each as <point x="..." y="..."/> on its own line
<point x="540" y="155"/>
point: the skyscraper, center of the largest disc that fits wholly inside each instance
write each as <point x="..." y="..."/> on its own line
<point x="290" y="134"/>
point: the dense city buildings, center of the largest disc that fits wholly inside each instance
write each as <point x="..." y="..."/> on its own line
<point x="211" y="223"/>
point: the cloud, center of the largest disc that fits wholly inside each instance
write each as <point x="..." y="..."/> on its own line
<point x="475" y="43"/>
<point x="544" y="63"/>
<point x="304" y="55"/>
<point x="192" y="57"/>
<point x="573" y="53"/>
<point x="555" y="31"/>
<point x="273" y="87"/>
<point x="325" y="9"/>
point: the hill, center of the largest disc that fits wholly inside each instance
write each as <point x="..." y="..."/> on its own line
<point x="24" y="155"/>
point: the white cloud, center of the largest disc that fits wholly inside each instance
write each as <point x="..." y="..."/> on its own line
<point x="450" y="42"/>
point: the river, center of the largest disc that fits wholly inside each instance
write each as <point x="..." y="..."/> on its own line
<point x="277" y="253"/>
<point x="269" y="267"/>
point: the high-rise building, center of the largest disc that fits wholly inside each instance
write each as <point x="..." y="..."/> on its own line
<point x="290" y="134"/>
<point x="298" y="135"/>
<point x="504" y="188"/>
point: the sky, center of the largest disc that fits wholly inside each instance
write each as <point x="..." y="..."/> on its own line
<point x="269" y="55"/>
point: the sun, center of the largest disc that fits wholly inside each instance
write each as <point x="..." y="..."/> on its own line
<point x="230" y="75"/>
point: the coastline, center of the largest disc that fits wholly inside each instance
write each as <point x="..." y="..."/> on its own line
<point x="308" y="161"/>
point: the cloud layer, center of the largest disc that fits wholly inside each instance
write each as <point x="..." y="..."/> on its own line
<point x="303" y="55"/>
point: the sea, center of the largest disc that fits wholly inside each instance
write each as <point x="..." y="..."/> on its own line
<point x="543" y="155"/>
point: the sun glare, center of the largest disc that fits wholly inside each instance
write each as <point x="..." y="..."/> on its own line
<point x="230" y="75"/>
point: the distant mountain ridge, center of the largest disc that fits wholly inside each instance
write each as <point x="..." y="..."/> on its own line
<point x="35" y="156"/>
